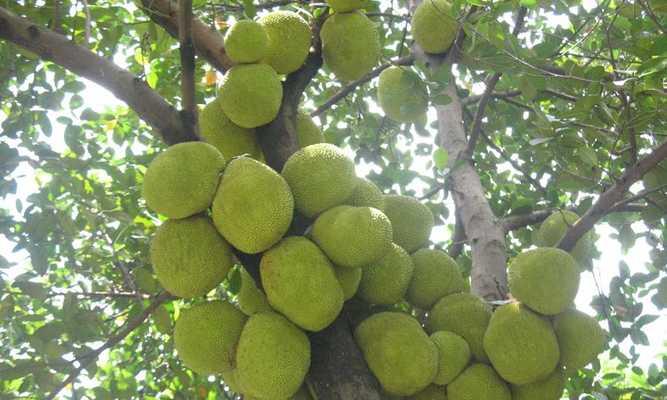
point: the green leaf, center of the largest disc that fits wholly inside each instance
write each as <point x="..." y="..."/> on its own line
<point x="440" y="158"/>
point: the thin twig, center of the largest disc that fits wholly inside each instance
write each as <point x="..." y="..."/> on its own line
<point x="496" y="95"/>
<point x="187" y="52"/>
<point x="651" y="14"/>
<point x="639" y="196"/>
<point x="101" y="295"/>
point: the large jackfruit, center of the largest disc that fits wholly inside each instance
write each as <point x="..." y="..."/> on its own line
<point x="386" y="280"/>
<point x="478" y="382"/>
<point x="402" y="94"/>
<point x="432" y="392"/>
<point x="246" y="42"/>
<point x="550" y="388"/>
<point x="434" y="26"/>
<point x="307" y="132"/>
<point x="580" y="338"/>
<point x="230" y="139"/>
<point x="289" y="40"/>
<point x="251" y="94"/>
<point x="343" y="6"/>
<point x="366" y="194"/>
<point x="411" y="221"/>
<point x="454" y="356"/>
<point x="554" y="228"/>
<point x="436" y="275"/>
<point x="349" y="279"/>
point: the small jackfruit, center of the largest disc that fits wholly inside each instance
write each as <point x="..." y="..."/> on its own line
<point x="350" y="56"/>
<point x="272" y="357"/>
<point x="246" y="42"/>
<point x="289" y="40"/>
<point x="230" y="139"/>
<point x="189" y="256"/>
<point x="434" y="26"/>
<point x="402" y="94"/>
<point x="343" y="6"/>
<point x="436" y="275"/>
<point x="366" y="194"/>
<point x="478" y="382"/>
<point x="550" y="388"/>
<point x="411" y="221"/>
<point x="554" y="228"/>
<point x="454" y="356"/>
<point x="307" y="132"/>
<point x="300" y="282"/>
<point x="432" y="392"/>
<point x="349" y="279"/>
<point x="251" y="94"/>
<point x="181" y="181"/>
<point x="206" y="334"/>
<point x="580" y="338"/>
<point x="320" y="176"/>
<point x="251" y="299"/>
<point x="386" y="280"/>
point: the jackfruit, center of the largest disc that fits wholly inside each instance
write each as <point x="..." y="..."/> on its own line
<point x="229" y="378"/>
<point x="299" y="282"/>
<point x="320" y="176"/>
<point x="398" y="352"/>
<point x="386" y="281"/>
<point x="350" y="56"/>
<point x="436" y="275"/>
<point x="402" y="94"/>
<point x="253" y="207"/>
<point x="521" y="345"/>
<point x="580" y="338"/>
<point x="272" y="357"/>
<point x="246" y="42"/>
<point x="181" y="181"/>
<point x="464" y="314"/>
<point x="250" y="95"/>
<point x="307" y="132"/>
<point x="454" y="356"/>
<point x="478" y="382"/>
<point x="545" y="279"/>
<point x="206" y="334"/>
<point x="554" y="228"/>
<point x="251" y="299"/>
<point x="289" y="40"/>
<point x="349" y="279"/>
<point x="434" y="26"/>
<point x="411" y="221"/>
<point x="432" y="392"/>
<point x="366" y="194"/>
<point x="343" y="6"/>
<point x="230" y="139"/>
<point x="550" y="388"/>
<point x="189" y="256"/>
<point x="660" y="296"/>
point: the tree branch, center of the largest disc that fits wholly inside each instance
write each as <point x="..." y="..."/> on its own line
<point x="459" y="239"/>
<point x="496" y="95"/>
<point x="187" y="53"/>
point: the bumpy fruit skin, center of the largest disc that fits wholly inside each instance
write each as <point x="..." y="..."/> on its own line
<point x="320" y="176"/>
<point x="289" y="40"/>
<point x="550" y="388"/>
<point x="402" y="94"/>
<point x="250" y="95"/>
<point x="181" y="181"/>
<point x="272" y="357"/>
<point x="350" y="45"/>
<point x="478" y="382"/>
<point x="343" y="6"/>
<point x="580" y="338"/>
<point x="433" y="26"/>
<point x="253" y="207"/>
<point x="554" y="228"/>
<point x="545" y="279"/>
<point x="300" y="283"/>
<point x="432" y="392"/>
<point x="454" y="356"/>
<point x="366" y="194"/>
<point x="411" y="221"/>
<point x="349" y="279"/>
<point x="206" y="334"/>
<point x="521" y="344"/>
<point x="436" y="275"/>
<point x="307" y="132"/>
<point x="386" y="281"/>
<point x="230" y="139"/>
<point x="229" y="378"/>
<point x="246" y="42"/>
<point x="464" y="314"/>
<point x="251" y="299"/>
<point x="398" y="352"/>
<point x="189" y="256"/>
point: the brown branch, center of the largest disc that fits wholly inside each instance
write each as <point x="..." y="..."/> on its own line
<point x="560" y="95"/>
<point x="496" y="95"/>
<point x="87" y="21"/>
<point x="639" y="196"/>
<point x="459" y="239"/>
<point x="187" y="53"/>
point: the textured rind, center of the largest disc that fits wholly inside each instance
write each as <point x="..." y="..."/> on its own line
<point x="250" y="95"/>
<point x="246" y="42"/>
<point x="253" y="207"/>
<point x="181" y="181"/>
<point x="342" y="6"/>
<point x="433" y="27"/>
<point x="349" y="279"/>
<point x="206" y="334"/>
<point x="189" y="256"/>
<point x="353" y="237"/>
<point x="398" y="352"/>
<point x="580" y="338"/>
<point x="411" y="221"/>
<point x="272" y="357"/>
<point x="545" y="279"/>
<point x="436" y="275"/>
<point x="521" y="344"/>
<point x="402" y="94"/>
<point x="320" y="176"/>
<point x="230" y="139"/>
<point x="386" y="281"/>
<point x="251" y="299"/>
<point x="300" y="283"/>
<point x="366" y="194"/>
<point x="550" y="388"/>
<point x="307" y="132"/>
<point x="432" y="392"/>
<point x="454" y="356"/>
<point x="478" y="382"/>
<point x="289" y="40"/>
<point x="229" y="378"/>
<point x="464" y="314"/>
<point x="554" y="228"/>
<point x="350" y="56"/>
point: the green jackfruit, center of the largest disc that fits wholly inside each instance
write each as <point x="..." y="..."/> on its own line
<point x="251" y="299"/>
<point x="580" y="338"/>
<point x="386" y="280"/>
<point x="300" y="283"/>
<point x="545" y="279"/>
<point x="181" y="181"/>
<point x="307" y="132"/>
<point x="554" y="228"/>
<point x="366" y="194"/>
<point x="246" y="42"/>
<point x="411" y="221"/>
<point x="521" y="344"/>
<point x="229" y="378"/>
<point x="349" y="279"/>
<point x="250" y="95"/>
<point x="289" y="40"/>
<point x="253" y="207"/>
<point x="464" y="314"/>
<point x="436" y="275"/>
<point x="402" y="94"/>
<point x="272" y="357"/>
<point x="230" y="139"/>
<point x="478" y="382"/>
<point x="434" y="26"/>
<point x="398" y="352"/>
<point x="343" y="6"/>
<point x="206" y="334"/>
<point x="454" y="356"/>
<point x="320" y="176"/>
<point x="432" y="392"/>
<point x="189" y="256"/>
<point x="550" y="388"/>
<point x="350" y="56"/>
